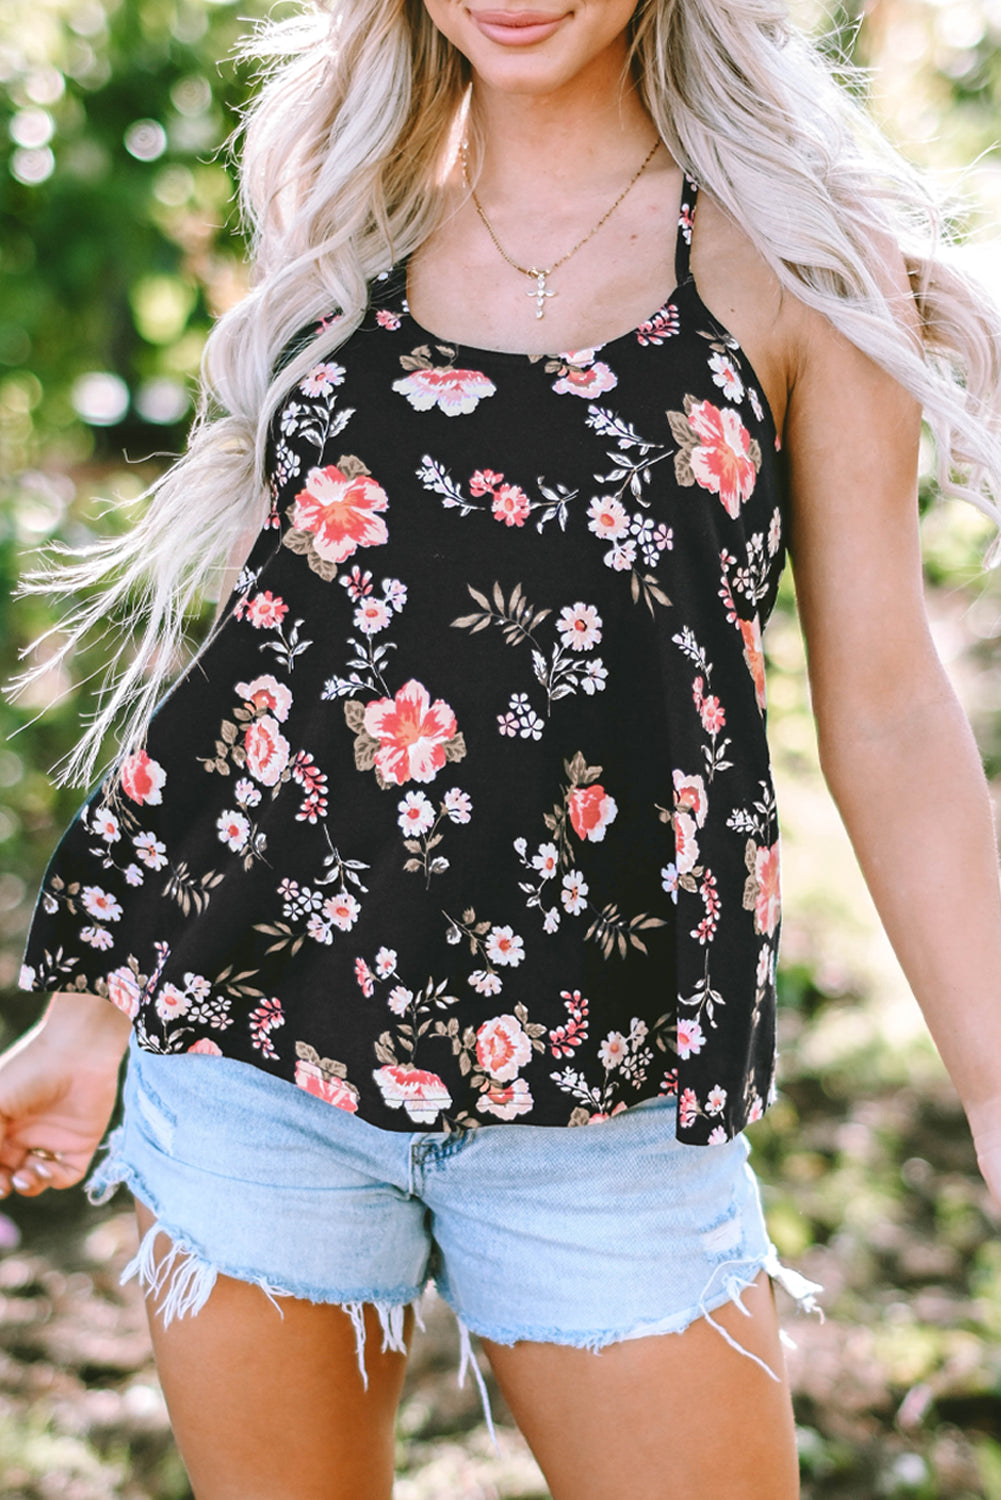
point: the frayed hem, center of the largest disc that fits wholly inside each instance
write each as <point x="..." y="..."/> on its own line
<point x="803" y="1292"/>
<point x="180" y="1283"/>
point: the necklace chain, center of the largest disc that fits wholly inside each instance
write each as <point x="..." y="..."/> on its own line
<point x="540" y="291"/>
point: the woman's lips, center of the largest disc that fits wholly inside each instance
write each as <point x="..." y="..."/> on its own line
<point x="517" y="28"/>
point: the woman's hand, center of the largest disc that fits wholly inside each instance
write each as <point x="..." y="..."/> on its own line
<point x="985" y="1127"/>
<point x="58" y="1085"/>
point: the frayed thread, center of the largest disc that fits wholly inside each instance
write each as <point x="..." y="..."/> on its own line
<point x="391" y="1317"/>
<point x="467" y="1360"/>
<point x="181" y="1281"/>
<point x="802" y="1291"/>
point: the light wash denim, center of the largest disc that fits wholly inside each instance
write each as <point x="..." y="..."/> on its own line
<point x="584" y="1236"/>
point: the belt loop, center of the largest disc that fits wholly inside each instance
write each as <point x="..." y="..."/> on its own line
<point x="415" y="1158"/>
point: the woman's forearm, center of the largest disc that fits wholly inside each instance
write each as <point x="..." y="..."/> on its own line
<point x="914" y="800"/>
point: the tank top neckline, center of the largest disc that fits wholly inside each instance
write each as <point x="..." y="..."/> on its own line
<point x="394" y="282"/>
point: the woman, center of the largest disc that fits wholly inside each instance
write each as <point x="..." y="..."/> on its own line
<point x="463" y="815"/>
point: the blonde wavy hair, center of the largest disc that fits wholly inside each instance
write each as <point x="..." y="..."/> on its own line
<point x="342" y="154"/>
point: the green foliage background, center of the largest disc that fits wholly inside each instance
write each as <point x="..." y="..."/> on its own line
<point x="118" y="244"/>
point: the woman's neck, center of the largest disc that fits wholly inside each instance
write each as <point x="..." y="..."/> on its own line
<point x="579" y="142"/>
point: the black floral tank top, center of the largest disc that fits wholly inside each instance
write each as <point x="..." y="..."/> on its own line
<point x="464" y="813"/>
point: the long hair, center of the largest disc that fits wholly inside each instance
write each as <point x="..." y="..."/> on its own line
<point x="343" y="152"/>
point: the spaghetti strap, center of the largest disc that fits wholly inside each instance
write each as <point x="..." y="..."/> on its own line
<point x="683" y="246"/>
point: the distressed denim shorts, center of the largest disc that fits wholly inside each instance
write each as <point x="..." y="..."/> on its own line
<point x="584" y="1236"/>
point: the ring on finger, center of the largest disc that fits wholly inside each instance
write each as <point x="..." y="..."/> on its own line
<point x="44" y="1154"/>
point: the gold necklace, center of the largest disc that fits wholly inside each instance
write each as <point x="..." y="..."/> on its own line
<point x="540" y="291"/>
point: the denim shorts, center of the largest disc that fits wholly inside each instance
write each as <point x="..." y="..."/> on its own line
<point x="584" y="1236"/>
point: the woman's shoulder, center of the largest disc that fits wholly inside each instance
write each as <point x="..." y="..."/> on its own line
<point x="741" y="290"/>
<point x="779" y="332"/>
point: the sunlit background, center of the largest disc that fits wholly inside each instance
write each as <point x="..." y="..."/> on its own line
<point x="118" y="244"/>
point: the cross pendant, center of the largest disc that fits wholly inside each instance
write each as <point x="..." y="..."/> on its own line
<point x="540" y="294"/>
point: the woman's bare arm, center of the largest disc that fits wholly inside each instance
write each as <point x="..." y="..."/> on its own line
<point x="895" y="746"/>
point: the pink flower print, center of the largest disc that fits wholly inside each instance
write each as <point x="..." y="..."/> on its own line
<point x="621" y="557"/>
<point x="385" y="962"/>
<point x="267" y="693"/>
<point x="664" y="324"/>
<point x="365" y="978"/>
<point x="768" y="899"/>
<point x="458" y="805"/>
<point x="265" y="611"/>
<point x="686" y="847"/>
<point x="233" y="829"/>
<point x="717" y="1136"/>
<point x="502" y="1047"/>
<point x="100" y="904"/>
<point x="721" y="460"/>
<point x="341" y="513"/>
<point x="454" y="392"/>
<point x="399" y="998"/>
<point x="579" y="626"/>
<point x="688" y="1107"/>
<point x="357" y="583"/>
<point x="322" y="1084"/>
<point x="765" y="970"/>
<point x="583" y="376"/>
<point x="504" y="946"/>
<point x="416" y="814"/>
<point x="754" y="657"/>
<point x="756" y="1111"/>
<point x="412" y="733"/>
<point x="97" y="937"/>
<point x="506" y="1101"/>
<point x="591" y="811"/>
<point x="372" y="616"/>
<point x="319" y="929"/>
<point x="171" y="1002"/>
<point x="484" y="482"/>
<point x="395" y="593"/>
<point x="123" y="991"/>
<point x="755" y="401"/>
<point x="142" y="779"/>
<point x="726" y="375"/>
<point x="608" y="518"/>
<point x="387" y="319"/>
<point x="511" y="505"/>
<point x="716" y="1100"/>
<point x="267" y="1017"/>
<point x="423" y="1095"/>
<point x="564" y="1039"/>
<point x="546" y="861"/>
<point x="690" y="1038"/>
<point x="600" y="1117"/>
<point x="133" y="875"/>
<point x="321" y="380"/>
<point x="150" y="850"/>
<point x="484" y="982"/>
<point x="105" y="825"/>
<point x="507" y="724"/>
<point x="205" y="1047"/>
<point x="613" y="1050"/>
<point x="343" y="910"/>
<point x="690" y="796"/>
<point x="574" y="893"/>
<point x="712" y="714"/>
<point x="267" y="750"/>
